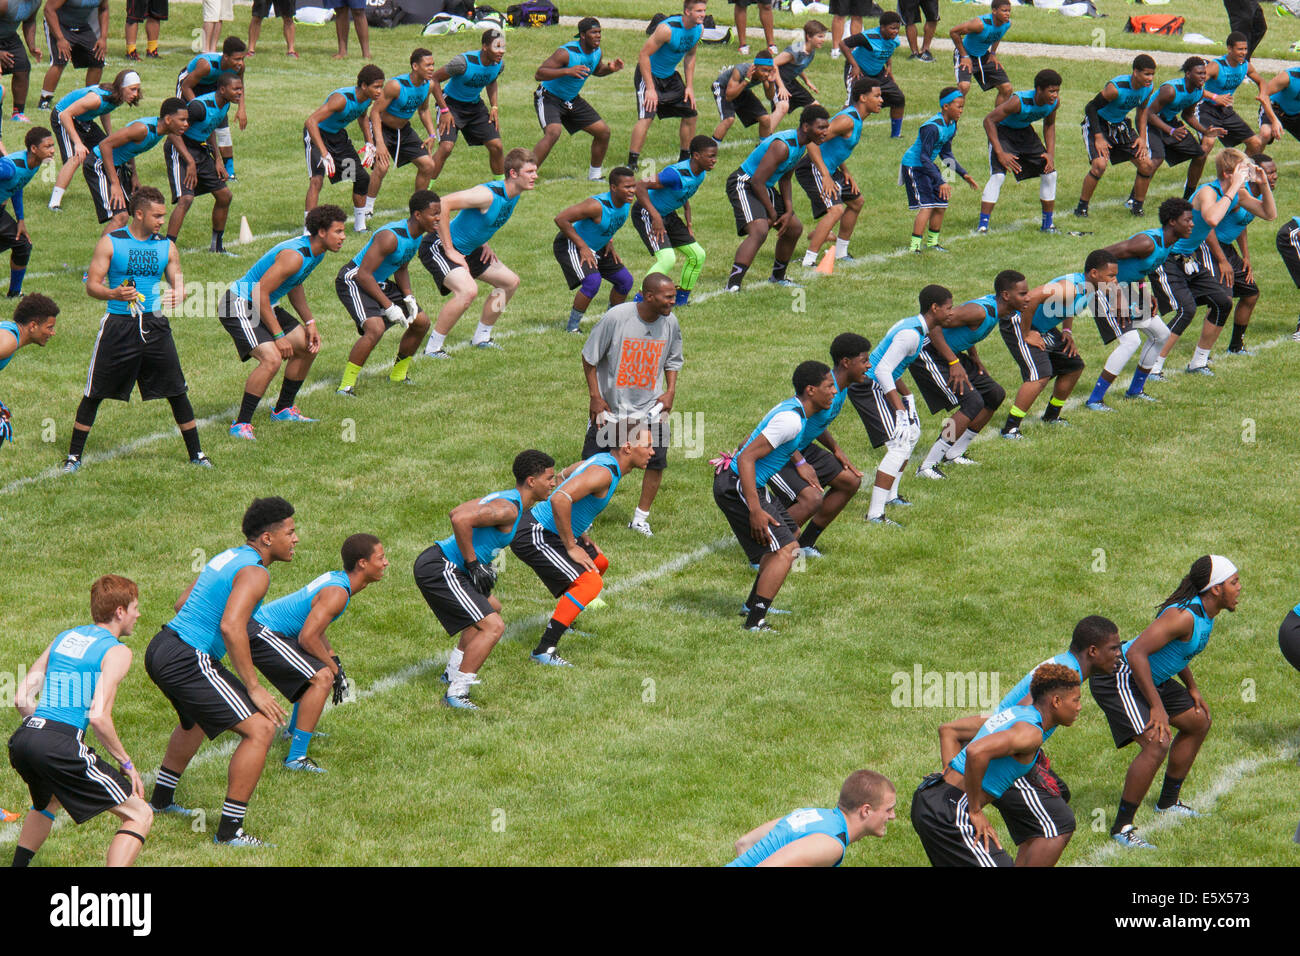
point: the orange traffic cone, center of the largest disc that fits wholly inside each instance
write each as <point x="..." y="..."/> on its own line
<point x="827" y="265"/>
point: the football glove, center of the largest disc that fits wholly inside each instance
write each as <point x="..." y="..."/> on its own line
<point x="482" y="576"/>
<point x="341" y="685"/>
<point x="368" y="156"/>
<point x="396" y="316"/>
<point x="412" y="307"/>
<point x="6" y="426"/>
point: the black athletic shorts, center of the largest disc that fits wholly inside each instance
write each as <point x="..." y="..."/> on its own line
<point x="787" y="483"/>
<point x="282" y="661"/>
<point x="1242" y="286"/>
<point x="672" y="96"/>
<point x="911" y="11"/>
<point x="130" y="352"/>
<point x="240" y="318"/>
<point x="13" y="45"/>
<point x="1112" y="314"/>
<point x="810" y="178"/>
<point x="1288" y="247"/>
<point x="137" y="11"/>
<point x="1024" y="144"/>
<point x="92" y="134"/>
<point x="97" y="180"/>
<point x="930" y="373"/>
<point x="1034" y="363"/>
<point x="1225" y="117"/>
<point x="359" y="304"/>
<point x="923" y="185"/>
<point x="745" y="201"/>
<point x="874" y="409"/>
<point x="800" y="95"/>
<point x="982" y="72"/>
<point x="1180" y="291"/>
<point x="566" y="254"/>
<point x="81" y="42"/>
<point x="573" y="115"/>
<point x="205" y="170"/>
<point x="941" y="819"/>
<point x="600" y="439"/>
<point x="472" y="119"/>
<point x="727" y="494"/>
<point x="1030" y="809"/>
<point x="889" y="90"/>
<point x="851" y="8"/>
<point x="55" y="763"/>
<point x="676" y="233"/>
<point x="283" y="8"/>
<point x="746" y="107"/>
<point x="1171" y="151"/>
<point x="404" y="145"/>
<point x="544" y="552"/>
<point x="9" y="237"/>
<point x="1120" y="137"/>
<point x="434" y="258"/>
<point x="449" y="592"/>
<point x="1288" y="638"/>
<point x="1125" y="707"/>
<point x="1290" y="121"/>
<point x="347" y="164"/>
<point x="198" y="686"/>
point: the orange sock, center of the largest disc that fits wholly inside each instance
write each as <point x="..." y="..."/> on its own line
<point x="601" y="562"/>
<point x="582" y="593"/>
<point x="151" y="46"/>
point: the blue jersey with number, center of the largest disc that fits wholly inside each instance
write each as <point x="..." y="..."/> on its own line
<point x="978" y="44"/>
<point x="490" y="541"/>
<point x="409" y="98"/>
<point x="663" y="61"/>
<point x="568" y="87"/>
<point x="774" y="460"/>
<point x="873" y="56"/>
<point x="213" y="116"/>
<point x="353" y="107"/>
<point x="471" y="228"/>
<point x="24" y="171"/>
<point x="12" y="329"/>
<point x="301" y="245"/>
<point x="467" y="86"/>
<point x="1229" y="77"/>
<point x="597" y="235"/>
<point x="106" y="104"/>
<point x="125" y="152"/>
<point x="796" y="826"/>
<point x="1021" y="690"/>
<point x="796" y="152"/>
<point x="1183" y="98"/>
<point x="407" y="246"/>
<point x="964" y="336"/>
<point x="1287" y="99"/>
<point x="1030" y="111"/>
<point x="199" y="621"/>
<point x="677" y="184"/>
<point x="915" y="323"/>
<point x="1135" y="270"/>
<point x="1002" y="772"/>
<point x="1128" y="99"/>
<point x="288" y="614"/>
<point x="585" y="509"/>
<point x="915" y="156"/>
<point x="1201" y="228"/>
<point x="1052" y="311"/>
<point x="821" y="419"/>
<point x="1176" y="655"/>
<point x="72" y="674"/>
<point x="835" y="151"/>
<point x="143" y="261"/>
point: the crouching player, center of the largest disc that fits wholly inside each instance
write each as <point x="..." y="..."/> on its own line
<point x="584" y="246"/>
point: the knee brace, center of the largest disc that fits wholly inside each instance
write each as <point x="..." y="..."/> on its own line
<point x="360" y="182"/>
<point x="601" y="562"/>
<point x="1158" y="334"/>
<point x="996" y="396"/>
<point x="182" y="410"/>
<point x="224" y="138"/>
<point x="581" y="593"/>
<point x="622" y="281"/>
<point x="1126" y="347"/>
<point x="895" y="460"/>
<point x="1047" y="187"/>
<point x="971" y="403"/>
<point x="993" y="188"/>
<point x="21" y="254"/>
<point x="590" y="283"/>
<point x="694" y="254"/>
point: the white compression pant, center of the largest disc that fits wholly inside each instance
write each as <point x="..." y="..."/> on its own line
<point x="1156" y="333"/>
<point x="1046" y="187"/>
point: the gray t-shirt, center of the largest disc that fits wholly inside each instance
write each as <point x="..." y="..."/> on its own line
<point x="630" y="357"/>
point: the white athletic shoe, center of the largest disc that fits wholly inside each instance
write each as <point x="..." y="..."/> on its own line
<point x="641" y="527"/>
<point x="960" y="460"/>
<point x="932" y="472"/>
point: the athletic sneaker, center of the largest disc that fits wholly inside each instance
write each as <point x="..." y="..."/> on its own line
<point x="1295" y="336"/>
<point x="1011" y="433"/>
<point x="1143" y="396"/>
<point x="683" y="297"/>
<point x="744" y="610"/>
<point x="786" y="283"/>
<point x="982" y="231"/>
<point x="811" y="552"/>
<point x="960" y="460"/>
<point x="459" y="702"/>
<point x="202" y="460"/>
<point x="155" y="55"/>
<point x="574" y="325"/>
<point x="488" y="344"/>
<point x="1128" y="838"/>
<point x="1180" y="809"/>
<point x="847" y="259"/>
<point x="915" y="56"/>
<point x="1241" y="351"/>
<point x="133" y="55"/>
<point x="1200" y="370"/>
<point x="437" y="354"/>
<point x="290" y="414"/>
<point x="20" y="118"/>
<point x="835" y="53"/>
<point x="45" y="103"/>
<point x="937" y="248"/>
<point x="1134" y="206"/>
<point x="550" y="659"/>
<point x="761" y="626"/>
<point x="1157" y="377"/>
<point x="346" y="392"/>
<point x="1059" y="422"/>
<point x="641" y="527"/>
<point x="444" y="677"/>
<point x="1050" y="230"/>
<point x="305" y="764"/>
<point x="932" y="472"/>
<point x="1081" y="211"/>
<point x="177" y="810"/>
<point x="70" y="464"/>
<point x="1098" y="407"/>
<point x="8" y="816"/>
<point x="883" y="520"/>
<point x="744" y="49"/>
<point x="243" y="838"/>
<point x="899" y="502"/>
<point x="927" y="56"/>
<point x="242" y="430"/>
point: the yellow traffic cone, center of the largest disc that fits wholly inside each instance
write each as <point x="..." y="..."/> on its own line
<point x="245" y="233"/>
<point x="827" y="265"/>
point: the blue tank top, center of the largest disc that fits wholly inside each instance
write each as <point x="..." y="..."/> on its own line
<point x="213" y="116"/>
<point x="209" y="83"/>
<point x="796" y="152"/>
<point x="1201" y="228"/>
<point x="20" y="10"/>
<point x="774" y="460"/>
<point x="597" y="235"/>
<point x="835" y="151"/>
<point x="409" y="98"/>
<point x="568" y="87"/>
<point x="914" y="323"/>
<point x="1287" y="99"/>
<point x="946" y="130"/>
<point x="978" y="44"/>
<point x="199" y="621"/>
<point x="1183" y="98"/>
<point x="471" y="228"/>
<point x="1019" y="692"/>
<point x="1030" y="111"/>
<point x="663" y="61"/>
<point x="143" y="261"/>
<point x="1135" y="270"/>
<point x="466" y="87"/>
<point x="129" y="150"/>
<point x="77" y="12"/>
<point x="244" y="287"/>
<point x="288" y="614"/>
<point x="399" y="257"/>
<point x="12" y="329"/>
<point x="793" y="827"/>
<point x="821" y="419"/>
<point x="584" y="510"/>
<point x="1129" y="98"/>
<point x="72" y="674"/>
<point x="670" y="197"/>
<point x="106" y="105"/>
<point x="1229" y="77"/>
<point x="873" y="57"/>
<point x="1236" y="221"/>
<point x="1001" y="772"/>
<point x="353" y="107"/>
<point x="964" y="336"/>
<point x="25" y="173"/>
<point x="490" y="541"/>
<point x="1176" y="655"/>
<point x="1052" y="312"/>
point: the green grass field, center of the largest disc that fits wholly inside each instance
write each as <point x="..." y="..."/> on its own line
<point x="676" y="731"/>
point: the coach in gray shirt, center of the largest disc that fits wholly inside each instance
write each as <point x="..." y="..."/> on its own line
<point x="634" y="347"/>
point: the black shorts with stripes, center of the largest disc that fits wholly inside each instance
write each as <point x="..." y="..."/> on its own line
<point x="91" y="135"/>
<point x="941" y="818"/>
<point x="787" y="483"/>
<point x="575" y="270"/>
<point x="55" y="763"/>
<point x="1031" y="807"/>
<point x="743" y="191"/>
<point x="434" y="258"/>
<point x="200" y="689"/>
<point x="807" y="175"/>
<point x="1125" y="707"/>
<point x="449" y="592"/>
<point x="360" y="305"/>
<point x="874" y="409"/>
<point x="726" y="492"/>
<point x="543" y="551"/>
<point x="573" y="115"/>
<point x="100" y="193"/>
<point x="1036" y="363"/>
<point x="929" y="371"/>
<point x="282" y="661"/>
<point x="239" y="317"/>
<point x="1288" y="247"/>
<point x="675" y="232"/>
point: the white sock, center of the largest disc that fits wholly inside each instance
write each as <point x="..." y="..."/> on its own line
<point x="460" y="684"/>
<point x="878" y="498"/>
<point x="435" y="342"/>
<point x="961" y="444"/>
<point x="359" y="219"/>
<point x="47" y="93"/>
<point x="937" y="451"/>
<point x="1159" y="366"/>
<point x="1200" y="358"/>
<point x="370" y="204"/>
<point x="481" y="333"/>
<point x="639" y="516"/>
<point x="595" y="172"/>
<point x="56" y="194"/>
<point x="809" y="259"/>
<point x="454" y="659"/>
<point x="841" y="248"/>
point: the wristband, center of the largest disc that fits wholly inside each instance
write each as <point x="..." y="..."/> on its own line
<point x="127" y="765"/>
<point x="443" y="109"/>
<point x="278" y="335"/>
<point x="954" y="361"/>
<point x="310" y="322"/>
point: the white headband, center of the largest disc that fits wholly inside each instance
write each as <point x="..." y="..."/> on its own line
<point x="131" y="79"/>
<point x="1220" y="570"/>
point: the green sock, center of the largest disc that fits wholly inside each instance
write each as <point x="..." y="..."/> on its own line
<point x="931" y="238"/>
<point x="398" y="373"/>
<point x="350" y="373"/>
<point x="916" y="244"/>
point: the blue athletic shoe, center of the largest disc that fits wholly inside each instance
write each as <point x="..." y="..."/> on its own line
<point x="177" y="810"/>
<point x="290" y="414"/>
<point x="1011" y="433"/>
<point x="70" y="464"/>
<point x="575" y="325"/>
<point x="459" y="703"/>
<point x="243" y="839"/>
<point x="550" y="659"/>
<point x="1200" y="370"/>
<point x="305" y="764"/>
<point x="786" y="283"/>
<point x="638" y="297"/>
<point x="1180" y="809"/>
<point x="744" y="610"/>
<point x="683" y="297"/>
<point x="1143" y="396"/>
<point x="202" y="460"/>
<point x="1128" y="838"/>
<point x="1099" y="407"/>
<point x="811" y="552"/>
<point x="899" y="502"/>
<point x="883" y="520"/>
